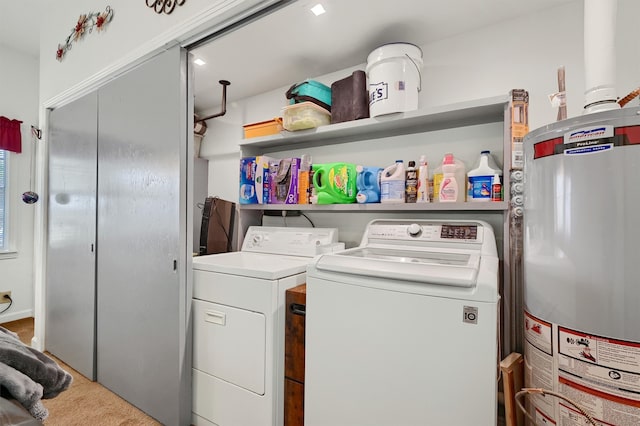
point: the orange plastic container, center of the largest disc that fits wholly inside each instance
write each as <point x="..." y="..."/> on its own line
<point x="263" y="128"/>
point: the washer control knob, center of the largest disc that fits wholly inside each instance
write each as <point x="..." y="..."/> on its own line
<point x="414" y="229"/>
<point x="257" y="239"/>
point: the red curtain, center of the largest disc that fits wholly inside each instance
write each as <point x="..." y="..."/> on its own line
<point x="10" y="137"/>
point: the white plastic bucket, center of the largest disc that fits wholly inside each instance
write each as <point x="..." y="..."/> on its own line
<point x="394" y="77"/>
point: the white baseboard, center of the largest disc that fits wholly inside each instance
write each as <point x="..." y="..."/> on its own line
<point x="37" y="344"/>
<point x="16" y="316"/>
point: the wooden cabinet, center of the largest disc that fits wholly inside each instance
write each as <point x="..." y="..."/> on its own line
<point x="294" y="356"/>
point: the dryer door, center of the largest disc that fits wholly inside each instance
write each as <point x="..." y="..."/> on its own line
<point x="229" y="343"/>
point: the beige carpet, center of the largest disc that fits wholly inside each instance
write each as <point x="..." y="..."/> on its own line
<point x="85" y="402"/>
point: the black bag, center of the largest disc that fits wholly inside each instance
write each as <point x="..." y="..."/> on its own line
<point x="350" y="98"/>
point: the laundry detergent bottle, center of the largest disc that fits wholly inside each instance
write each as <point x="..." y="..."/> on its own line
<point x="460" y="176"/>
<point x="368" y="184"/>
<point x="392" y="180"/>
<point x="334" y="183"/>
<point x="449" y="191"/>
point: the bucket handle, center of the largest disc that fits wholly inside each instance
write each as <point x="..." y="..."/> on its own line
<point x="418" y="69"/>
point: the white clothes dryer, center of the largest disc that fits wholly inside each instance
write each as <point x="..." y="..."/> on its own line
<point x="238" y="324"/>
<point x="403" y="330"/>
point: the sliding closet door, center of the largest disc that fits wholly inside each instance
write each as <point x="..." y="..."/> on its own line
<point x="71" y="249"/>
<point x="143" y="300"/>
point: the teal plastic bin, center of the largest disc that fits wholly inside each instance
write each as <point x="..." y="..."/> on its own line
<point x="310" y="91"/>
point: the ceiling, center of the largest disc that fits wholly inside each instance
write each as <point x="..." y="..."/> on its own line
<point x="292" y="44"/>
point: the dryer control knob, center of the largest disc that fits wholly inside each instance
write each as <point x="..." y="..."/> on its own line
<point x="414" y="229"/>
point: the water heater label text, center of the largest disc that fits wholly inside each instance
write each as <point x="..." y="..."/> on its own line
<point x="588" y="133"/>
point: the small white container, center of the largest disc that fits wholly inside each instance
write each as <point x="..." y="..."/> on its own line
<point x="305" y="115"/>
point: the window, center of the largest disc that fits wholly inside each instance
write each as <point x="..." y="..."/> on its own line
<point x="4" y="159"/>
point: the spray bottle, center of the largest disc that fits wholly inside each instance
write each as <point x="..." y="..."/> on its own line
<point x="496" y="188"/>
<point x="423" y="181"/>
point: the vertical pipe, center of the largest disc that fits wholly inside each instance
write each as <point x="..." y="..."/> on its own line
<point x="599" y="55"/>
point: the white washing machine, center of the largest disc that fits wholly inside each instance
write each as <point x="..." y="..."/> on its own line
<point x="238" y="324"/>
<point x="402" y="330"/>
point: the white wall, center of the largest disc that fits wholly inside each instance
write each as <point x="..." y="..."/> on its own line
<point x="19" y="100"/>
<point x="526" y="53"/>
<point x="134" y="32"/>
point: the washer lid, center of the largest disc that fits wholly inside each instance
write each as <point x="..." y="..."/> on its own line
<point x="255" y="265"/>
<point x="458" y="268"/>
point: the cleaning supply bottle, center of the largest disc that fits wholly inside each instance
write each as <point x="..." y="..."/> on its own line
<point x="459" y="175"/>
<point x="392" y="183"/>
<point x="423" y="181"/>
<point x="496" y="188"/>
<point x="335" y="183"/>
<point x="411" y="183"/>
<point x="449" y="191"/>
<point x="368" y="184"/>
<point x="480" y="178"/>
<point x="303" y="179"/>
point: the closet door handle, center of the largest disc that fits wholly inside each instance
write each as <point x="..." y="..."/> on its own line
<point x="216" y="317"/>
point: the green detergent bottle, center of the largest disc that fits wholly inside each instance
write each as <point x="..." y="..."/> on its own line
<point x="334" y="183"/>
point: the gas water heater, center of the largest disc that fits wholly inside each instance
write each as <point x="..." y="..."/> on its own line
<point x="582" y="267"/>
<point x="581" y="253"/>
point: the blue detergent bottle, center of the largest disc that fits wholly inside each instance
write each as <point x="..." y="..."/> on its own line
<point x="368" y="184"/>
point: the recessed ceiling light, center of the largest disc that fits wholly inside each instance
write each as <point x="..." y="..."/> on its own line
<point x="199" y="61"/>
<point x="318" y="9"/>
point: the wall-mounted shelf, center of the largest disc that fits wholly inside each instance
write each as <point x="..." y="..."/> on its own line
<point x="381" y="207"/>
<point x="481" y="111"/>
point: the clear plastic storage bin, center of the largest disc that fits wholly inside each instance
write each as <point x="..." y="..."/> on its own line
<point x="305" y="115"/>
